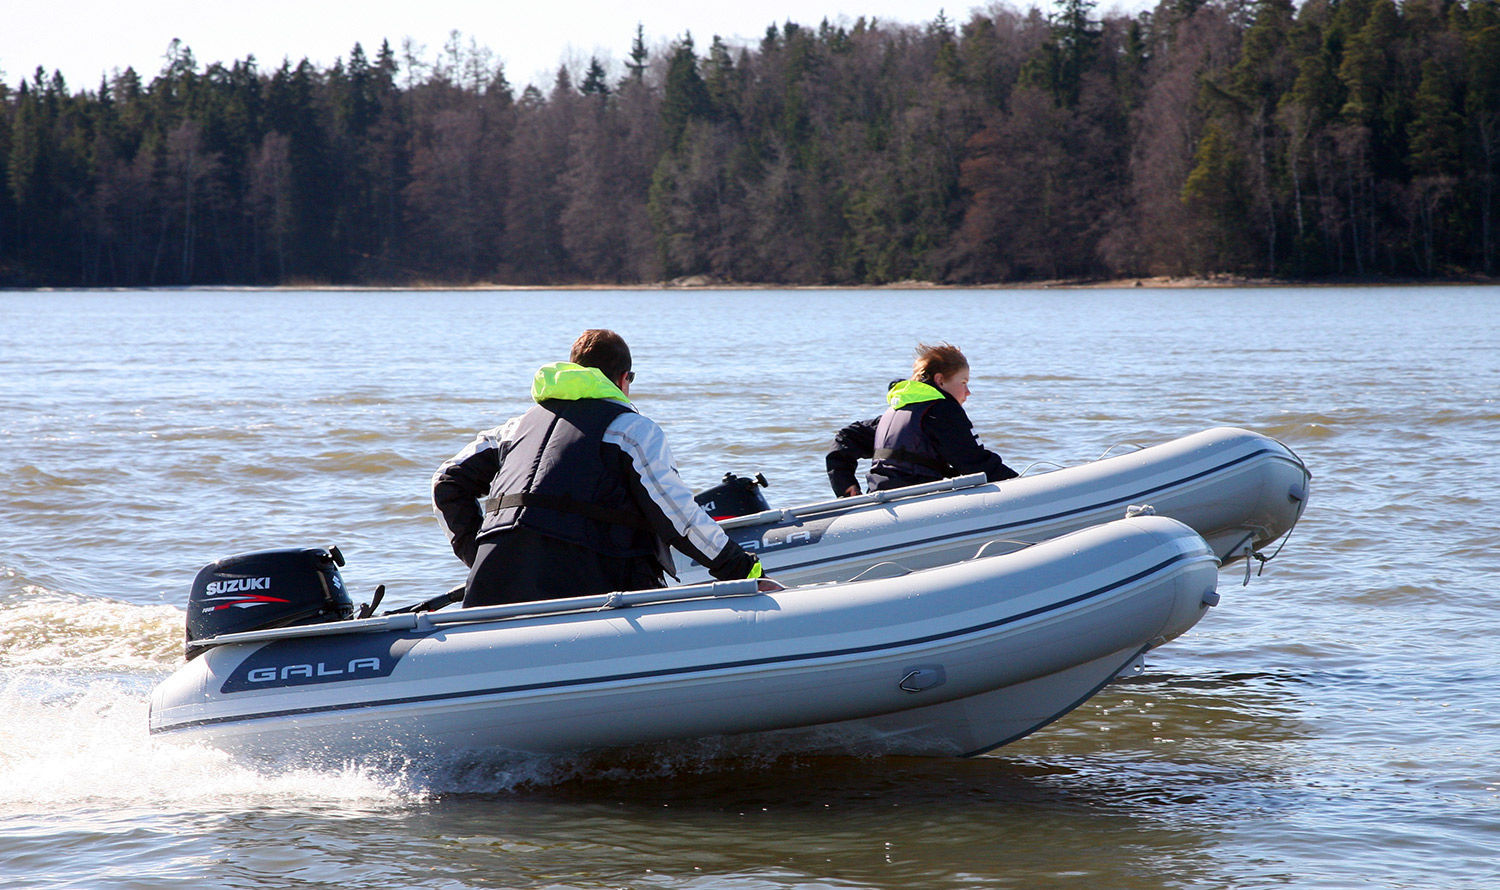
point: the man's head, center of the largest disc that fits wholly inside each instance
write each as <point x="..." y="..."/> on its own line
<point x="602" y="349"/>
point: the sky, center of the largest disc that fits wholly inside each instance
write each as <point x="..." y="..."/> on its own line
<point x="87" y="39"/>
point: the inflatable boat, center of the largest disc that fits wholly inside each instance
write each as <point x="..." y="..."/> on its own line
<point x="1240" y="490"/>
<point x="950" y="660"/>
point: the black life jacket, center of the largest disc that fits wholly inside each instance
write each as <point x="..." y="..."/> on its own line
<point x="904" y="454"/>
<point x="560" y="479"/>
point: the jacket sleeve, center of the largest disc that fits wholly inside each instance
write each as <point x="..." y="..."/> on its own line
<point x="953" y="434"/>
<point x="462" y="480"/>
<point x="851" y="444"/>
<point x="668" y="502"/>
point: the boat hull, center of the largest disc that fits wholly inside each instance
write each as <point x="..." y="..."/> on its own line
<point x="948" y="661"/>
<point x="1240" y="490"/>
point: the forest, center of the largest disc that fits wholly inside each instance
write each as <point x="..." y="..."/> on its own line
<point x="1335" y="140"/>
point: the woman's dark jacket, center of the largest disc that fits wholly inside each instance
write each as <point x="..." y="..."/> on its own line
<point x="924" y="435"/>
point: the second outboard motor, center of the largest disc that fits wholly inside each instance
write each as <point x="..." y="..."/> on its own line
<point x="734" y="496"/>
<point x="268" y="588"/>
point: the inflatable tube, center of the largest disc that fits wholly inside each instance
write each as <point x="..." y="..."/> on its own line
<point x="951" y="660"/>
<point x="1240" y="490"/>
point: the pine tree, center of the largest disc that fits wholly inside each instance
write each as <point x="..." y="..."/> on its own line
<point x="685" y="95"/>
<point x="638" y="55"/>
<point x="593" y="80"/>
<point x="1482" y="123"/>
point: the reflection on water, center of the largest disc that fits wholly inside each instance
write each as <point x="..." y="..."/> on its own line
<point x="796" y="822"/>
<point x="883" y="823"/>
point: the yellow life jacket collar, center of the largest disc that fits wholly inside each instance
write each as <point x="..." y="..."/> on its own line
<point x="570" y="382"/>
<point x="911" y="392"/>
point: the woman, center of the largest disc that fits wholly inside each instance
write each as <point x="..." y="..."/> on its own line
<point x="924" y="435"/>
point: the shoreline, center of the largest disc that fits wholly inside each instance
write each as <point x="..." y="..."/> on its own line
<point x="707" y="283"/>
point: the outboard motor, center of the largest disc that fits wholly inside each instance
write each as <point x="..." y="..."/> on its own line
<point x="268" y="588"/>
<point x="734" y="496"/>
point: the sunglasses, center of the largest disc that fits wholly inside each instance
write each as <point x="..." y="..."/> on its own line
<point x="629" y="376"/>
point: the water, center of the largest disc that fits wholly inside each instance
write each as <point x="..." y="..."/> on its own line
<point x="1333" y="725"/>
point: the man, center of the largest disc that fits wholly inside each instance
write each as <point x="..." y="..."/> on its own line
<point x="581" y="494"/>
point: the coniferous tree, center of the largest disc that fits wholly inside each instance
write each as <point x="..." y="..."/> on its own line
<point x="593" y="80"/>
<point x="1481" y="50"/>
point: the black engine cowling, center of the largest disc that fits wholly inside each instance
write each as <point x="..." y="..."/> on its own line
<point x="268" y="588"/>
<point x="734" y="496"/>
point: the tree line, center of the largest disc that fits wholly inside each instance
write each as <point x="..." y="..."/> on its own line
<point x="1341" y="138"/>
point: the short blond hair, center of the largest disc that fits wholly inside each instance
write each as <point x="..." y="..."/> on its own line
<point x="944" y="358"/>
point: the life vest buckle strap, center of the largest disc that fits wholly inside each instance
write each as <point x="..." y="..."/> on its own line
<point x="571" y="505"/>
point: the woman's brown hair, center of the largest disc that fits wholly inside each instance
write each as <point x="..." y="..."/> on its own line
<point x="943" y="358"/>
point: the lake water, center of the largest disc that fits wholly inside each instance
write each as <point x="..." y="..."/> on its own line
<point x="1335" y="724"/>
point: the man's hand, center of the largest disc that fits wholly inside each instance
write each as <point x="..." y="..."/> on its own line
<point x="768" y="585"/>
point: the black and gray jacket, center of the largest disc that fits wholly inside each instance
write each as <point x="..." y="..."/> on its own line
<point x="581" y="466"/>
